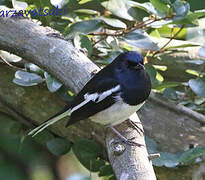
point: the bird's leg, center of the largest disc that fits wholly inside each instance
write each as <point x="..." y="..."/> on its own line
<point x="124" y="139"/>
<point x="134" y="124"/>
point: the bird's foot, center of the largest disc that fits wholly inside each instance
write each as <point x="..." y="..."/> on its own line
<point x="124" y="139"/>
<point x="129" y="142"/>
<point x="132" y="143"/>
<point x="134" y="124"/>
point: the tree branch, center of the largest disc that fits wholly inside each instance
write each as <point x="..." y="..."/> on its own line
<point x="57" y="56"/>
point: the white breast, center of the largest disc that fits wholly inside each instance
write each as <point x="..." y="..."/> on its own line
<point x="115" y="114"/>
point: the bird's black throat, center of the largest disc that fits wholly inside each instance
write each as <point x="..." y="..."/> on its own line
<point x="135" y="84"/>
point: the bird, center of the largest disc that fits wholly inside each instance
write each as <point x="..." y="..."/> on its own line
<point x="110" y="97"/>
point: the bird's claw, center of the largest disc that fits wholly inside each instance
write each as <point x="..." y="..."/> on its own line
<point x="128" y="142"/>
<point x="138" y="129"/>
<point x="132" y="143"/>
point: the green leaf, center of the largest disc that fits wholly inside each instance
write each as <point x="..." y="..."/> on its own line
<point x="140" y="39"/>
<point x="83" y="27"/>
<point x="112" y="178"/>
<point x="147" y="6"/>
<point x="16" y="128"/>
<point x="160" y="67"/>
<point x="199" y="13"/>
<point x="60" y="25"/>
<point x="114" y="22"/>
<point x="84" y="1"/>
<point x="2" y="2"/>
<point x="58" y="4"/>
<point x="23" y="78"/>
<point x="33" y="68"/>
<point x="43" y="137"/>
<point x="10" y="57"/>
<point x="86" y="11"/>
<point x="120" y="8"/>
<point x="82" y="41"/>
<point x="52" y="83"/>
<point x="160" y="23"/>
<point x="166" y="31"/>
<point x="159" y="77"/>
<point x="155" y="33"/>
<point x="193" y="72"/>
<point x="19" y="5"/>
<point x="106" y="171"/>
<point x="188" y="157"/>
<point x="197" y="86"/>
<point x="182" y="46"/>
<point x="167" y="85"/>
<point x="9" y="171"/>
<point x="195" y="34"/>
<point x="153" y="73"/>
<point x="87" y="152"/>
<point x="59" y="146"/>
<point x="86" y="149"/>
<point x="63" y="92"/>
<point x="160" y="6"/>
<point x="202" y="52"/>
<point x="166" y="1"/>
<point x="170" y="93"/>
<point x="95" y="165"/>
<point x="78" y="176"/>
<point x="167" y="159"/>
<point x="189" y="20"/>
<point x="181" y="8"/>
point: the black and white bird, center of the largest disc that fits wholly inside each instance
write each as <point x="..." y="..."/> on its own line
<point x="111" y="96"/>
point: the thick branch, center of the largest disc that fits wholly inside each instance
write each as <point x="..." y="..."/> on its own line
<point x="33" y="42"/>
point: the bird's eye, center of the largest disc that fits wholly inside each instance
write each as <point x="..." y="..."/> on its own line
<point x="131" y="64"/>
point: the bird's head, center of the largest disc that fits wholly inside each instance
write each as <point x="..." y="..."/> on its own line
<point x="130" y="59"/>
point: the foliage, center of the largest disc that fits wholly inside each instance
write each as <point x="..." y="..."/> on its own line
<point x="103" y="29"/>
<point x="58" y="146"/>
<point x="19" y="154"/>
<point x="188" y="157"/>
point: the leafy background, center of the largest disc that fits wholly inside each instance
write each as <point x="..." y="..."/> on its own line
<point x="103" y="29"/>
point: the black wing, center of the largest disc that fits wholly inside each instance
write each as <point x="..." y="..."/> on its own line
<point x="97" y="85"/>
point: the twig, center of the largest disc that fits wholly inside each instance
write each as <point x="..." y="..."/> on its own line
<point x="162" y="49"/>
<point x="179" y="109"/>
<point x="173" y="37"/>
<point x="101" y="39"/>
<point x="126" y="31"/>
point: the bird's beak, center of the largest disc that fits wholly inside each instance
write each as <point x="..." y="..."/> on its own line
<point x="139" y="66"/>
<point x="142" y="66"/>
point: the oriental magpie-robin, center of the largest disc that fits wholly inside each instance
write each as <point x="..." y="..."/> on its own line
<point x="111" y="96"/>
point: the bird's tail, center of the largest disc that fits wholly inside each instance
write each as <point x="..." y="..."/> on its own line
<point x="65" y="112"/>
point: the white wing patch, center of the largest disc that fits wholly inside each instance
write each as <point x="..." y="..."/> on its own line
<point x="107" y="93"/>
<point x="95" y="97"/>
<point x="88" y="98"/>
